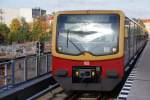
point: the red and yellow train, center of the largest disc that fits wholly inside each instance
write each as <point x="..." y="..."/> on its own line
<point x="91" y="49"/>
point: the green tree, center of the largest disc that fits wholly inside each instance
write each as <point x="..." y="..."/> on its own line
<point x="45" y="37"/>
<point x="24" y="26"/>
<point x="24" y="31"/>
<point x="4" y="30"/>
<point x="15" y="25"/>
<point x="12" y="37"/>
<point x="37" y="29"/>
<point x="40" y="29"/>
<point x="14" y="30"/>
<point x="19" y="30"/>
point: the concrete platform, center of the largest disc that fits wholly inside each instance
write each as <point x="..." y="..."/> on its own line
<point x="140" y="89"/>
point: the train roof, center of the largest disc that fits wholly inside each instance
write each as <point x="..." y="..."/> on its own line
<point x="89" y="11"/>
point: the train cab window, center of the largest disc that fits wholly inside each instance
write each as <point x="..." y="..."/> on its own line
<point x="97" y="34"/>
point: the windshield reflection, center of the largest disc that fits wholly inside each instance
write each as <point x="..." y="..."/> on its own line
<point x="97" y="38"/>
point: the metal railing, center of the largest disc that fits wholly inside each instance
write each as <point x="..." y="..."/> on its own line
<point x="20" y="70"/>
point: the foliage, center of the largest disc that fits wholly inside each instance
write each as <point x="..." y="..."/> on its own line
<point x="4" y="30"/>
<point x="45" y="37"/>
<point x="37" y="29"/>
<point x="40" y="27"/>
<point x="12" y="37"/>
<point x="24" y="31"/>
<point x="24" y="26"/>
<point x="15" y="25"/>
<point x="19" y="31"/>
<point x="14" y="30"/>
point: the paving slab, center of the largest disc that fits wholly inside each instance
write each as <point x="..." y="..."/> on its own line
<point x="140" y="89"/>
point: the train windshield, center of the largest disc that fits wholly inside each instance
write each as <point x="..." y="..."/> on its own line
<point x="96" y="34"/>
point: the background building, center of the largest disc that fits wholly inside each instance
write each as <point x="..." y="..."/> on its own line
<point x="38" y="12"/>
<point x="7" y="14"/>
<point x="147" y="24"/>
<point x="26" y="13"/>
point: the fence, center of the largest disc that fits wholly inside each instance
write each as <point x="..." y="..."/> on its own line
<point x="22" y="69"/>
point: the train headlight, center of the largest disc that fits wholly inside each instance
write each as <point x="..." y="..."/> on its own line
<point x="77" y="73"/>
<point x="93" y="73"/>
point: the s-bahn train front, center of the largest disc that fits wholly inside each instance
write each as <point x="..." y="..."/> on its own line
<point x="87" y="49"/>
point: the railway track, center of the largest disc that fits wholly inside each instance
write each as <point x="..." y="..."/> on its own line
<point x="45" y="93"/>
<point x="55" y="92"/>
<point x="90" y="96"/>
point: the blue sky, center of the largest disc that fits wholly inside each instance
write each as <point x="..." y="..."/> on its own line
<point x="132" y="8"/>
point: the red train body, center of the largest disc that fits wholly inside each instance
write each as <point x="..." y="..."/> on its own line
<point x="106" y="65"/>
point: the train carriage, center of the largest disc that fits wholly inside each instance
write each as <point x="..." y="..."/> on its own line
<point x="91" y="49"/>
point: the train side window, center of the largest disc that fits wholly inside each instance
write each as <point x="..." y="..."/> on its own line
<point x="127" y="40"/>
<point x="126" y="32"/>
<point x="131" y="39"/>
<point x="134" y="38"/>
<point x="136" y="34"/>
<point x="138" y="37"/>
<point x="127" y="27"/>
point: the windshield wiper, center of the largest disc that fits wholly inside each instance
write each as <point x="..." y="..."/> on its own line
<point x="68" y="32"/>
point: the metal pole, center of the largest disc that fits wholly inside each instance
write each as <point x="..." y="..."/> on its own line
<point x="25" y="69"/>
<point x="39" y="65"/>
<point x="46" y="62"/>
<point x="6" y="74"/>
<point x="36" y="65"/>
<point x="50" y="63"/>
<point x="13" y="71"/>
